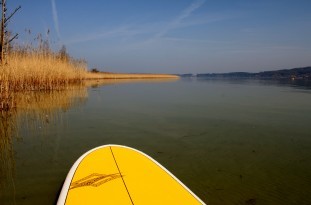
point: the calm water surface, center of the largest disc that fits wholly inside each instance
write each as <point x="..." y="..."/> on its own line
<point x="231" y="142"/>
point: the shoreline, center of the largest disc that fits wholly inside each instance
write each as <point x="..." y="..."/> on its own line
<point x="108" y="75"/>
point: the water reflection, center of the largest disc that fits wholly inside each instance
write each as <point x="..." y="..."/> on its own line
<point x="299" y="84"/>
<point x="24" y="113"/>
<point x="28" y="109"/>
<point x="98" y="82"/>
<point x="248" y="142"/>
<point x="7" y="163"/>
<point x="303" y="84"/>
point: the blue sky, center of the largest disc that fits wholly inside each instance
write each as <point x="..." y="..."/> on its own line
<point x="173" y="36"/>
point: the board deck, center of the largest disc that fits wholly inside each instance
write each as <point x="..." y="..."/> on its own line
<point x="115" y="174"/>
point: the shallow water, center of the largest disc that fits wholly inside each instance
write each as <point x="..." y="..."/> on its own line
<point x="230" y="141"/>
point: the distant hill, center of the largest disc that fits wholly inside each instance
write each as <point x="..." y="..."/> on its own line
<point x="294" y="73"/>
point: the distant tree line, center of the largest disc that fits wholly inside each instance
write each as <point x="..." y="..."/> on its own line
<point x="294" y="73"/>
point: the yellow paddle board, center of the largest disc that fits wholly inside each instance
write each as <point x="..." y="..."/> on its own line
<point x="114" y="174"/>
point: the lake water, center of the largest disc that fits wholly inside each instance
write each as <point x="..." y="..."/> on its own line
<point x="230" y="141"/>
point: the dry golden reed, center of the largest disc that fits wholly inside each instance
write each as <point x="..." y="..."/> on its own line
<point x="39" y="71"/>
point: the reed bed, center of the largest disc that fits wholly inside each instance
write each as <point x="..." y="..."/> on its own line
<point x="39" y="71"/>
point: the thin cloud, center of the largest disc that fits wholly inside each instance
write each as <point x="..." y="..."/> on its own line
<point x="55" y="18"/>
<point x="121" y="31"/>
<point x="178" y="20"/>
<point x="155" y="30"/>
